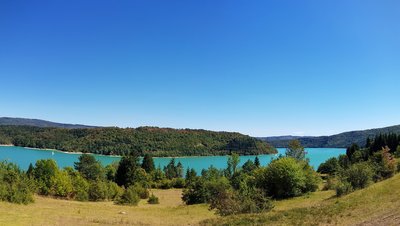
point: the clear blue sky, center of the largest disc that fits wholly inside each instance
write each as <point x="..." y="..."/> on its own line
<point x="257" y="67"/>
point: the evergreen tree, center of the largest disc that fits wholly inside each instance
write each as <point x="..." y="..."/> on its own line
<point x="148" y="163"/>
<point x="190" y="175"/>
<point x="169" y="170"/>
<point x="29" y="172"/>
<point x="179" y="170"/>
<point x="89" y="167"/>
<point x="125" y="175"/>
<point x="257" y="162"/>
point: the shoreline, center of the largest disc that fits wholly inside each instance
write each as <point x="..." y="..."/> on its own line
<point x="120" y="156"/>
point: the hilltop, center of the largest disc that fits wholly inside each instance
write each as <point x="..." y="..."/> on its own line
<point x="121" y="141"/>
<point x="8" y="121"/>
<point x="341" y="140"/>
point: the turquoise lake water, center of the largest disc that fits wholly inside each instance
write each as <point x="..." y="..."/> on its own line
<point x="24" y="156"/>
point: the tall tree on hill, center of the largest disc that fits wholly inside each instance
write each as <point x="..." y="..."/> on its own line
<point x="148" y="163"/>
<point x="295" y="150"/>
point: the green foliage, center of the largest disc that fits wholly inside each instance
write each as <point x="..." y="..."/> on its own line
<point x="98" y="191"/>
<point x="80" y="187"/>
<point x="153" y="199"/>
<point x="126" y="171"/>
<point x="227" y="201"/>
<point x="111" y="171"/>
<point x="344" y="161"/>
<point x="191" y="175"/>
<point x="172" y="170"/>
<point x="118" y="141"/>
<point x="359" y="175"/>
<point x="141" y="191"/>
<point x="295" y="150"/>
<point x="257" y="162"/>
<point x="330" y="166"/>
<point x="148" y="163"/>
<point x="61" y="185"/>
<point x="44" y="172"/>
<point x="343" y="188"/>
<point x="89" y="167"/>
<point x="249" y="166"/>
<point x="114" y="191"/>
<point x="129" y="197"/>
<point x="195" y="193"/>
<point x="384" y="164"/>
<point x="15" y="186"/>
<point x="233" y="162"/>
<point x="287" y="177"/>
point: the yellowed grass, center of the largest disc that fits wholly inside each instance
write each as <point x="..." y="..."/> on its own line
<point x="378" y="204"/>
<point x="48" y="211"/>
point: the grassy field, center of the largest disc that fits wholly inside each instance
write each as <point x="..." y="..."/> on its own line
<point x="48" y="211"/>
<point x="378" y="204"/>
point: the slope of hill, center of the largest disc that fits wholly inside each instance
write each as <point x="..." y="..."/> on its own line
<point x="39" y="123"/>
<point x="341" y="140"/>
<point x="378" y="204"/>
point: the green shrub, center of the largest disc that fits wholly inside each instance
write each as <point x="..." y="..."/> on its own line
<point x="287" y="177"/>
<point x="229" y="201"/>
<point x="330" y="184"/>
<point x="153" y="199"/>
<point x="129" y="197"/>
<point x="165" y="184"/>
<point x="359" y="175"/>
<point x="114" y="191"/>
<point x="61" y="185"/>
<point x="343" y="188"/>
<point x="141" y="191"/>
<point x="44" y="172"/>
<point x="195" y="192"/>
<point x="80" y="188"/>
<point x="330" y="166"/>
<point x="178" y="182"/>
<point x="15" y="186"/>
<point x="98" y="191"/>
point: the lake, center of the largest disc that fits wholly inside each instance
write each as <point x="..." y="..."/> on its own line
<point x="24" y="156"/>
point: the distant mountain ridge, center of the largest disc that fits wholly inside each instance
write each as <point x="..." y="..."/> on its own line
<point x="341" y="140"/>
<point x="9" y="121"/>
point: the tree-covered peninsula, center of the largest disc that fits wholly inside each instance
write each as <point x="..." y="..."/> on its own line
<point x="121" y="141"/>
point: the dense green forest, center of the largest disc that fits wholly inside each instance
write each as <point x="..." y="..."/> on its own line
<point x="341" y="140"/>
<point x="142" y="140"/>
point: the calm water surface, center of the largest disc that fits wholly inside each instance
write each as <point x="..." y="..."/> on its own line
<point x="24" y="156"/>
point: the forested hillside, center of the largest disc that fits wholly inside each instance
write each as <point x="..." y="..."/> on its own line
<point x="118" y="141"/>
<point x="341" y="140"/>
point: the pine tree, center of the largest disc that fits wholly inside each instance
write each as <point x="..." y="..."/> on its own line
<point x="148" y="163"/>
<point x="257" y="162"/>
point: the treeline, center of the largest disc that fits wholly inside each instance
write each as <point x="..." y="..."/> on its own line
<point x="360" y="167"/>
<point x="252" y="187"/>
<point x="124" y="183"/>
<point x="247" y="189"/>
<point x="117" y="141"/>
<point x="342" y="140"/>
